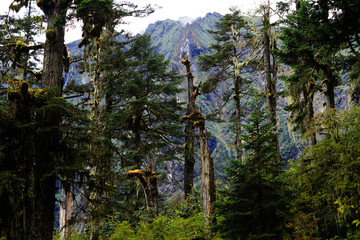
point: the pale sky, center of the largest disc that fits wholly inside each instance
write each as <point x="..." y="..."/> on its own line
<point x="170" y="9"/>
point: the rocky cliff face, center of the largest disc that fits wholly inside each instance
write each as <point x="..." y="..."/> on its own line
<point x="172" y="38"/>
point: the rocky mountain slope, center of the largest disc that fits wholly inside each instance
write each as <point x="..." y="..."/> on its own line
<point x="172" y="38"/>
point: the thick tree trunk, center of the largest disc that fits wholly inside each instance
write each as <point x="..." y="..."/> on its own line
<point x="330" y="95"/>
<point x="54" y="51"/>
<point x="207" y="173"/>
<point x="330" y="86"/>
<point x="44" y="182"/>
<point x="65" y="211"/>
<point x="48" y="140"/>
<point x="62" y="212"/>
<point x="68" y="213"/>
<point x="189" y="133"/>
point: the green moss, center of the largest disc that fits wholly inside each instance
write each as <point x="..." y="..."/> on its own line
<point x="50" y="34"/>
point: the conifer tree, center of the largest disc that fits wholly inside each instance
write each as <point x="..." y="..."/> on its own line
<point x="269" y="42"/>
<point x="324" y="182"/>
<point x="305" y="49"/>
<point x="144" y="119"/>
<point x="50" y="150"/>
<point x="227" y="62"/>
<point x="251" y="206"/>
<point x="19" y="49"/>
<point x="21" y="128"/>
<point x="195" y="118"/>
<point x="189" y="130"/>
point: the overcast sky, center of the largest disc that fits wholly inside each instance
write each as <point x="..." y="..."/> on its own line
<point x="167" y="9"/>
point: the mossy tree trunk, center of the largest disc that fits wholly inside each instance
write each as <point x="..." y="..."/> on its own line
<point x="207" y="176"/>
<point x="207" y="165"/>
<point x="270" y="77"/>
<point x="189" y="132"/>
<point x="47" y="144"/>
<point x="54" y="44"/>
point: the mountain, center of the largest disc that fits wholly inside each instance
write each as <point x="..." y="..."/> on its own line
<point x="171" y="38"/>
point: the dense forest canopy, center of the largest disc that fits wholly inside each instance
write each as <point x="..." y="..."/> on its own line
<point x="228" y="127"/>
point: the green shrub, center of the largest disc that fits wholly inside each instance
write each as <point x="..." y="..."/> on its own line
<point x="123" y="231"/>
<point x="163" y="228"/>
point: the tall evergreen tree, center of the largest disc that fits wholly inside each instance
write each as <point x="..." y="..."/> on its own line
<point x="227" y="62"/>
<point x="340" y="38"/>
<point x="251" y="207"/>
<point x="189" y="130"/>
<point x="269" y="42"/>
<point x="311" y="56"/>
<point x="144" y="119"/>
<point x="21" y="129"/>
<point x="324" y="182"/>
<point x="48" y="148"/>
<point x="20" y="51"/>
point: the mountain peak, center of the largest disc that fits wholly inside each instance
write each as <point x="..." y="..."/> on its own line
<point x="186" y="20"/>
<point x="215" y="14"/>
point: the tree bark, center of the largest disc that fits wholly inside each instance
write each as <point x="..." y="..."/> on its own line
<point x="270" y="80"/>
<point x="65" y="210"/>
<point x="309" y="108"/>
<point x="47" y="151"/>
<point x="153" y="185"/>
<point x="238" y="147"/>
<point x="189" y="132"/>
<point x="330" y="86"/>
<point x="62" y="212"/>
<point x="237" y="92"/>
<point x="207" y="172"/>
<point x="54" y="46"/>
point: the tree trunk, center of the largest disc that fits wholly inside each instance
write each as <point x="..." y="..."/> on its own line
<point x="54" y="47"/>
<point x="330" y="86"/>
<point x="237" y="92"/>
<point x="153" y="185"/>
<point x="309" y="108"/>
<point x="99" y="88"/>
<point x="44" y="182"/>
<point x="48" y="139"/>
<point x="273" y="107"/>
<point x="65" y="210"/>
<point x="207" y="173"/>
<point x="189" y="132"/>
<point x="354" y="94"/>
<point x="238" y="119"/>
<point x="137" y="140"/>
<point x="68" y="213"/>
<point x="270" y="80"/>
<point x="62" y="212"/>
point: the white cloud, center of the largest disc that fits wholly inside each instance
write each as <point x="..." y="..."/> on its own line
<point x="170" y="9"/>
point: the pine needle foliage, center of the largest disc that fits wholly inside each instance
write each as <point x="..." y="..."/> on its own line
<point x="144" y="115"/>
<point x="22" y="128"/>
<point x="251" y="206"/>
<point x="325" y="182"/>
